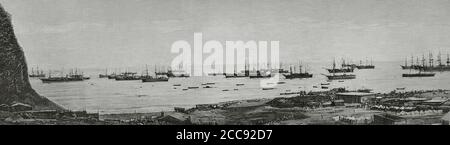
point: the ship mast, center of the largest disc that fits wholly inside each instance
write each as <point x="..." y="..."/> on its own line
<point x="367" y="61"/>
<point x="290" y="68"/>
<point x="299" y="67"/>
<point x="431" y="60"/>
<point x="423" y="60"/>
<point x="146" y="70"/>
<point x="448" y="60"/>
<point x="439" y="59"/>
<point x="406" y="62"/>
<point x="417" y="61"/>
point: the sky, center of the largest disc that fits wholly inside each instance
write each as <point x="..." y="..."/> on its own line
<point x="120" y="33"/>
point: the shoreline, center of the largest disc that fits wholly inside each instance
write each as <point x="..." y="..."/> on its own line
<point x="319" y="108"/>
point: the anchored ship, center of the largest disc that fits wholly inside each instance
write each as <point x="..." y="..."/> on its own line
<point x="246" y="73"/>
<point x="300" y="74"/>
<point x="260" y="75"/>
<point x="422" y="68"/>
<point x="159" y="77"/>
<point x="340" y="70"/>
<point x="342" y="76"/>
<point x="104" y="75"/>
<point x="430" y="65"/>
<point x="72" y="77"/>
<point x="128" y="76"/>
<point x="412" y="65"/>
<point x="37" y="73"/>
<point x="365" y="66"/>
<point x="419" y="75"/>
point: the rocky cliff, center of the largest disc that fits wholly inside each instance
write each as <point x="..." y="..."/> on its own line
<point x="14" y="83"/>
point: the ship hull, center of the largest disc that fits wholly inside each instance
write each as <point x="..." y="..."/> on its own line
<point x="347" y="70"/>
<point x="56" y="80"/>
<point x="366" y="67"/>
<point x="419" y="75"/>
<point x="341" y="77"/>
<point x="128" y="78"/>
<point x="298" y="76"/>
<point x="37" y="76"/>
<point x="436" y="68"/>
<point x="155" y="80"/>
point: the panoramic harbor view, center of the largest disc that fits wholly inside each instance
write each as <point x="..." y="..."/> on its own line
<point x="237" y="62"/>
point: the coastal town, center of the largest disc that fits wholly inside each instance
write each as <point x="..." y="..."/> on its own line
<point x="335" y="107"/>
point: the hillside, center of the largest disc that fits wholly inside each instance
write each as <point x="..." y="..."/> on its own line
<point x="14" y="83"/>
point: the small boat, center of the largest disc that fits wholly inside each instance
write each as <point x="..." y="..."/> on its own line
<point x="401" y="88"/>
<point x="226" y="90"/>
<point x="315" y="87"/>
<point x="341" y="81"/>
<point x="240" y="84"/>
<point x="281" y="83"/>
<point x="207" y="87"/>
<point x="325" y="84"/>
<point x="177" y="85"/>
<point x="268" y="88"/>
<point x="323" y="87"/>
<point x="210" y="83"/>
<point x="185" y="89"/>
<point x="193" y="87"/>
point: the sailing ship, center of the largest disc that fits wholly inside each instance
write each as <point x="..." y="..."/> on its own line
<point x="366" y="66"/>
<point x="180" y="73"/>
<point x="104" y="75"/>
<point x="259" y="74"/>
<point x="112" y="76"/>
<point x="342" y="76"/>
<point x="343" y="69"/>
<point x="300" y="74"/>
<point x="440" y="66"/>
<point x="419" y="75"/>
<point x="159" y="77"/>
<point x="430" y="67"/>
<point x="422" y="68"/>
<point x="127" y="76"/>
<point x="37" y="73"/>
<point x="246" y="73"/>
<point x="74" y="76"/>
<point x="351" y="65"/>
<point x="412" y="65"/>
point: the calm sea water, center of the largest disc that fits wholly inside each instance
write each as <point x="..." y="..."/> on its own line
<point x="109" y="96"/>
